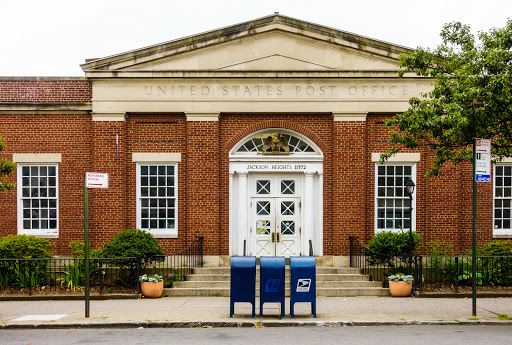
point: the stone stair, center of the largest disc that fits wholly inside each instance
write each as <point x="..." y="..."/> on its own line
<point x="330" y="281"/>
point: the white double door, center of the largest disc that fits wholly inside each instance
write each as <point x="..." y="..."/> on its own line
<point x="275" y="215"/>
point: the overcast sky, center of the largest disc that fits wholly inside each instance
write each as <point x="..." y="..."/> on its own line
<point x="53" y="37"/>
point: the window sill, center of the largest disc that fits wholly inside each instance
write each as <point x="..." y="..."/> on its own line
<point x="497" y="236"/>
<point x="40" y="235"/>
<point x="165" y="235"/>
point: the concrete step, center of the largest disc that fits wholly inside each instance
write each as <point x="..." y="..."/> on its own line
<point x="327" y="292"/>
<point x="330" y="281"/>
<point x="353" y="292"/>
<point x="319" y="270"/>
<point x="319" y="284"/>
<point x="319" y="277"/>
<point x="347" y="284"/>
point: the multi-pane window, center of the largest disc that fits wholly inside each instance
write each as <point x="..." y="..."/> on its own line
<point x="391" y="197"/>
<point x="502" y="197"/>
<point x="157" y="211"/>
<point x="38" y="198"/>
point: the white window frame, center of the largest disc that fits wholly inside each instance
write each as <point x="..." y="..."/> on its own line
<point x="376" y="197"/>
<point x="49" y="233"/>
<point x="499" y="232"/>
<point x="158" y="233"/>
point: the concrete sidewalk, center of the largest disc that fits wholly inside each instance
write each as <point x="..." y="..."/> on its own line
<point x="214" y="311"/>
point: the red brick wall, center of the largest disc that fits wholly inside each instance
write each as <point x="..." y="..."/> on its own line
<point x="203" y="185"/>
<point x="158" y="133"/>
<point x="69" y="135"/>
<point x="45" y="90"/>
<point x="349" y="177"/>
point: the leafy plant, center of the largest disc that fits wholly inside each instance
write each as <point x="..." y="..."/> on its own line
<point x="172" y="277"/>
<point x="401" y="278"/>
<point x="439" y="248"/>
<point x="386" y="246"/>
<point x="132" y="243"/>
<point x="75" y="276"/>
<point x="6" y="168"/>
<point x="152" y="278"/>
<point x="22" y="246"/>
<point x="78" y="250"/>
<point x="467" y="278"/>
<point x="497" y="248"/>
<point x="499" y="269"/>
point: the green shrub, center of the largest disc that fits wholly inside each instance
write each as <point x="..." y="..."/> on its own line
<point x="497" y="248"/>
<point x="393" y="243"/>
<point x="439" y="248"/>
<point x="498" y="270"/>
<point x="24" y="273"/>
<point x="391" y="248"/>
<point x="78" y="250"/>
<point x="22" y="246"/>
<point x="132" y="243"/>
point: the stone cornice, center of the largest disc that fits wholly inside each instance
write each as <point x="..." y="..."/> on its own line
<point x="249" y="74"/>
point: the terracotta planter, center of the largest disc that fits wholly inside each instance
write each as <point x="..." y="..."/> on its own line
<point x="400" y="289"/>
<point x="152" y="290"/>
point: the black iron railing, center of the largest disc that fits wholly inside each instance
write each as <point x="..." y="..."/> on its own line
<point x="64" y="275"/>
<point x="177" y="266"/>
<point x="456" y="272"/>
<point x="108" y="275"/>
<point x="433" y="272"/>
<point x="377" y="266"/>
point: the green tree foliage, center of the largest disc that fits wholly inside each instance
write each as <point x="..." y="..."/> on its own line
<point x="6" y="168"/>
<point x="471" y="96"/>
<point x="22" y="246"/>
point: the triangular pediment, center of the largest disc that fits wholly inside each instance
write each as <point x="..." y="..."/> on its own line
<point x="274" y="43"/>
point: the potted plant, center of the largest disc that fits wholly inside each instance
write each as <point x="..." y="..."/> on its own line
<point x="151" y="286"/>
<point x="400" y="285"/>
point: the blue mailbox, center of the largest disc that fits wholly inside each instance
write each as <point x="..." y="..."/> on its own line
<point x="243" y="282"/>
<point x="303" y="282"/>
<point x="272" y="281"/>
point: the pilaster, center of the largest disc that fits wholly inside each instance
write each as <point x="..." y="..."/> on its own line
<point x="203" y="180"/>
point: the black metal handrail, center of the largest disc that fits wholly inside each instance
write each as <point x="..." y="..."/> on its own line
<point x="311" y="248"/>
<point x="176" y="267"/>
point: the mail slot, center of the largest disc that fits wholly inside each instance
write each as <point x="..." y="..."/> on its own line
<point x="272" y="281"/>
<point x="243" y="282"/>
<point x="303" y="282"/>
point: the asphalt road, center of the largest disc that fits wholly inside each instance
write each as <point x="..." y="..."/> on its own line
<point x="417" y="335"/>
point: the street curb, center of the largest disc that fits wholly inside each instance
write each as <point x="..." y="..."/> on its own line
<point x="252" y="324"/>
<point x="69" y="297"/>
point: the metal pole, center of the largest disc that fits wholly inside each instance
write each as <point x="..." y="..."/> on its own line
<point x="410" y="234"/>
<point x="474" y="229"/>
<point x="86" y="249"/>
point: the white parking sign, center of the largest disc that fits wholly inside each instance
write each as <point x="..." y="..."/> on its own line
<point x="96" y="180"/>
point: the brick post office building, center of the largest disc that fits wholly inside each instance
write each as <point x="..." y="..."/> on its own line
<point x="265" y="134"/>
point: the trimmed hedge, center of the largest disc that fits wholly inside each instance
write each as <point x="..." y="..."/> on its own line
<point x="22" y="246"/>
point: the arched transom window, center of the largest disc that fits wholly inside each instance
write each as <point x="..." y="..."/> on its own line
<point x="275" y="142"/>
